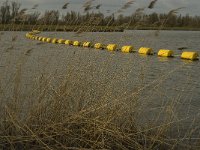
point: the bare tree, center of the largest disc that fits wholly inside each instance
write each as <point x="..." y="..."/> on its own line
<point x="15" y="6"/>
<point x="50" y="17"/>
<point x="33" y="18"/>
<point x="5" y="12"/>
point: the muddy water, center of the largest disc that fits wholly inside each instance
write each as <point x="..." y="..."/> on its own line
<point x="166" y="90"/>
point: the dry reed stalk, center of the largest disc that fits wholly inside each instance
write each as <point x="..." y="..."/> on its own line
<point x="80" y="112"/>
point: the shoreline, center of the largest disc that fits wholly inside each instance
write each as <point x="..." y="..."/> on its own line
<point x="80" y="29"/>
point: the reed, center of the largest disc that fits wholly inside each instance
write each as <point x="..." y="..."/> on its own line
<point x="79" y="108"/>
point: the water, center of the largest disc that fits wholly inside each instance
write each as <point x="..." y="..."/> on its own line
<point x="165" y="88"/>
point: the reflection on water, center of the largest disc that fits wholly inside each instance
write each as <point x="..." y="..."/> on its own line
<point x="164" y="59"/>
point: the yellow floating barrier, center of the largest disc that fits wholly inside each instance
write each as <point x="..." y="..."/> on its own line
<point x="86" y="44"/>
<point x="54" y="41"/>
<point x="68" y="42"/>
<point x="40" y="38"/>
<point x="44" y="39"/>
<point x="165" y="53"/>
<point x="98" y="46"/>
<point x="190" y="55"/>
<point x="27" y="34"/>
<point x="32" y="37"/>
<point x="76" y="43"/>
<point x="61" y="41"/>
<point x="111" y="47"/>
<point x="48" y="40"/>
<point x="127" y="49"/>
<point x="145" y="50"/>
<point x="36" y="38"/>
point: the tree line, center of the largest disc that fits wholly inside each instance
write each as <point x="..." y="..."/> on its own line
<point x="12" y="13"/>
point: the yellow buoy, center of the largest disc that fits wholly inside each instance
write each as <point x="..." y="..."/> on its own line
<point x="127" y="49"/>
<point x="44" y="39"/>
<point x="86" y="44"/>
<point x="190" y="55"/>
<point x="165" y="53"/>
<point x="145" y="50"/>
<point x="48" y="40"/>
<point x="76" y="43"/>
<point x="54" y="41"/>
<point x="68" y="42"/>
<point x="98" y="46"/>
<point x="36" y="37"/>
<point x="111" y="47"/>
<point x="40" y="38"/>
<point x="27" y="34"/>
<point x="32" y="37"/>
<point x="61" y="41"/>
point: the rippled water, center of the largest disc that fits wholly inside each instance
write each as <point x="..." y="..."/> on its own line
<point x="162" y="85"/>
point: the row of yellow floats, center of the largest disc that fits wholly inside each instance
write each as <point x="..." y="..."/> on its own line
<point x="112" y="47"/>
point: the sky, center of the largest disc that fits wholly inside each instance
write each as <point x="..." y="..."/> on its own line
<point x="162" y="6"/>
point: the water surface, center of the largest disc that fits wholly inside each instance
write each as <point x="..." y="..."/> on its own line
<point x="164" y="88"/>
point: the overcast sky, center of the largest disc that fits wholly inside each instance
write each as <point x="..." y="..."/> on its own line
<point x="162" y="6"/>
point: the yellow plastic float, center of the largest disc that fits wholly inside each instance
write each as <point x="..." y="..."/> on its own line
<point x="27" y="35"/>
<point x="40" y="38"/>
<point x="36" y="38"/>
<point x="111" y="47"/>
<point x="44" y="39"/>
<point x="127" y="49"/>
<point x="190" y="55"/>
<point x="165" y="53"/>
<point x="86" y="44"/>
<point x="61" y="41"/>
<point x="98" y="46"/>
<point x="145" y="51"/>
<point x="33" y="37"/>
<point x="54" y="41"/>
<point x="68" y="42"/>
<point x="48" y="40"/>
<point x="76" y="43"/>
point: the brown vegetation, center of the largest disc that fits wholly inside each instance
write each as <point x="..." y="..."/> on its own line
<point x="74" y="110"/>
<point x="11" y="13"/>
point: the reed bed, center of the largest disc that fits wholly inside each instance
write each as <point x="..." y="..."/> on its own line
<point x="77" y="110"/>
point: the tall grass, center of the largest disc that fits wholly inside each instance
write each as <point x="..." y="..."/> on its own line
<point x="80" y="108"/>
